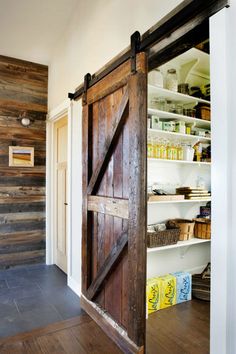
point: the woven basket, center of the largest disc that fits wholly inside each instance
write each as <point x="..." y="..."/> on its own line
<point x="163" y="238"/>
<point x="202" y="228"/>
<point x="186" y="228"/>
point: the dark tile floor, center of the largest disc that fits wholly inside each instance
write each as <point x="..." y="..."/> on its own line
<point x="34" y="296"/>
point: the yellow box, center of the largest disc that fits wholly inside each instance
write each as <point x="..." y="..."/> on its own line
<point x="153" y="294"/>
<point x="168" y="291"/>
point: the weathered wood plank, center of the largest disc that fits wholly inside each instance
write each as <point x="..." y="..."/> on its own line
<point x="23" y="217"/>
<point x="12" y="259"/>
<point x="19" y="226"/>
<point x="110" y="206"/>
<point x="110" y="143"/>
<point x="22" y="181"/>
<point x="108" y="266"/>
<point x="112" y="82"/>
<point x="22" y="207"/>
<point x="137" y="206"/>
<point x="23" y="89"/>
<point x="86" y="228"/>
<point x="110" y="327"/>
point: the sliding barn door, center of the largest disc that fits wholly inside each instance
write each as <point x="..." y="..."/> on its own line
<point x="114" y="204"/>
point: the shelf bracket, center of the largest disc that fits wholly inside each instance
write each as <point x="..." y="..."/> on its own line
<point x="183" y="251"/>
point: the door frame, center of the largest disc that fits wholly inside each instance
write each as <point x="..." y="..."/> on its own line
<point x="65" y="109"/>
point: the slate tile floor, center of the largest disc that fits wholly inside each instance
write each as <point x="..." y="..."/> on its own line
<point x="34" y="296"/>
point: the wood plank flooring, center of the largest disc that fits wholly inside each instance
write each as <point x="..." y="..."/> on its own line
<point x="78" y="335"/>
<point x="181" y="329"/>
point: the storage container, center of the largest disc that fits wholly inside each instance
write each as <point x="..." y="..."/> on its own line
<point x="202" y="228"/>
<point x="170" y="236"/>
<point x="203" y="112"/>
<point x="185" y="226"/>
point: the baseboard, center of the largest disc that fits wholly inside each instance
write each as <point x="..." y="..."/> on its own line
<point x="74" y="285"/>
<point x="110" y="327"/>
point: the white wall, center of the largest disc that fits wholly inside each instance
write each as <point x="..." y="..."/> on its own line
<point x="97" y="32"/>
<point x="231" y="259"/>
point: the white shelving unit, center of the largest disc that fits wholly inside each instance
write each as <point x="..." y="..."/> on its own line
<point x="188" y="243"/>
<point x="192" y="67"/>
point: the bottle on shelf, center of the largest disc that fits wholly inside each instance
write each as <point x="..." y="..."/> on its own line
<point x="155" y="78"/>
<point x="172" y="80"/>
<point x="150" y="149"/>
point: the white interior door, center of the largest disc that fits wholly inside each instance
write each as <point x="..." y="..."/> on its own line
<point x="61" y="143"/>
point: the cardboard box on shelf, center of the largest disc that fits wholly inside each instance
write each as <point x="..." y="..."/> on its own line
<point x="168" y="291"/>
<point x="153" y="294"/>
<point x="183" y="286"/>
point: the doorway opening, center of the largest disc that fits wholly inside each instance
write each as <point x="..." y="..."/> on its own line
<point x="179" y="202"/>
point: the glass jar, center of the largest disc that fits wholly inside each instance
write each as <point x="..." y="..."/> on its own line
<point x="155" y="78"/>
<point x="172" y="80"/>
<point x="150" y="149"/>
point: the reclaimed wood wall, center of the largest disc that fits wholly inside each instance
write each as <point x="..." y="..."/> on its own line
<point x="23" y="88"/>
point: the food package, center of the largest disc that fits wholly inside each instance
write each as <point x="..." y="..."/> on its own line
<point x="183" y="286"/>
<point x="156" y="123"/>
<point x="168" y="291"/>
<point x="180" y="127"/>
<point x="168" y="126"/>
<point x="153" y="294"/>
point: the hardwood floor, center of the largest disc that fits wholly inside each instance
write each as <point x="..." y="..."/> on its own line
<point x="79" y="335"/>
<point x="181" y="329"/>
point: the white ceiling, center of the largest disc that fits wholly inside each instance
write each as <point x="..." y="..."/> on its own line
<point x="29" y="29"/>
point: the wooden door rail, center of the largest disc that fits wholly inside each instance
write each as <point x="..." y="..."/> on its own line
<point x="110" y="144"/>
<point x="108" y="266"/>
<point x="111" y="206"/>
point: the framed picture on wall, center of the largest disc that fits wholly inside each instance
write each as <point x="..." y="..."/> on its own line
<point x="20" y="156"/>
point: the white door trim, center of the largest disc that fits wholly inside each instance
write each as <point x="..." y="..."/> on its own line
<point x="56" y="114"/>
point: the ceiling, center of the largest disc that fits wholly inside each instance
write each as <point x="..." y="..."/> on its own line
<point x="29" y="29"/>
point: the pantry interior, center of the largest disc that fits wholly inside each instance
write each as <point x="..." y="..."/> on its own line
<point x="179" y="183"/>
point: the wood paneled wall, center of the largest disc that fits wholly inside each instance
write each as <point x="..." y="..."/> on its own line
<point x="23" y="88"/>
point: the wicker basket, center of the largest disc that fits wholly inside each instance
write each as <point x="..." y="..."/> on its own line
<point x="202" y="228"/>
<point x="186" y="228"/>
<point x="163" y="238"/>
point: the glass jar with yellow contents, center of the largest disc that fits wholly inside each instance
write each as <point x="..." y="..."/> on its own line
<point x="150" y="148"/>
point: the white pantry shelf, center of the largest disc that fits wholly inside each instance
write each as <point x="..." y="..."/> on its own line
<point x="188" y="243"/>
<point x="174" y="96"/>
<point x="180" y="201"/>
<point x="200" y="123"/>
<point x="179" y="136"/>
<point x="183" y="162"/>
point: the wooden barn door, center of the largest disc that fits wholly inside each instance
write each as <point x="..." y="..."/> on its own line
<point x="114" y="204"/>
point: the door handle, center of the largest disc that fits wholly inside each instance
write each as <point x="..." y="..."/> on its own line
<point x="65" y="203"/>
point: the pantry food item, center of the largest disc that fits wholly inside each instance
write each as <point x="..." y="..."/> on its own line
<point x="180" y="127"/>
<point x="156" y="123"/>
<point x="168" y="291"/>
<point x="183" y="286"/>
<point x="172" y="80"/>
<point x="155" y="78"/>
<point x="193" y="193"/>
<point x="153" y="292"/>
<point x="183" y="88"/>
